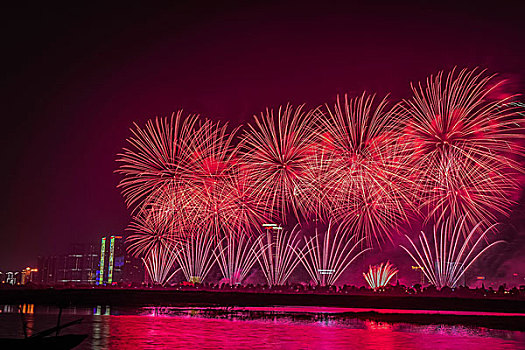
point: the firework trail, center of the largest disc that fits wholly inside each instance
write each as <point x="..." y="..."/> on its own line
<point x="325" y="259"/>
<point x="151" y="230"/>
<point x="155" y="238"/>
<point x="276" y="150"/>
<point x="454" y="124"/>
<point x="379" y="276"/>
<point x="159" y="262"/>
<point x="449" y="254"/>
<point x="277" y="253"/>
<point x="235" y="255"/>
<point x="368" y="169"/>
<point x="196" y="256"/>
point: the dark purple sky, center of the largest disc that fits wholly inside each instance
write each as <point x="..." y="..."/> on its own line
<point x="74" y="80"/>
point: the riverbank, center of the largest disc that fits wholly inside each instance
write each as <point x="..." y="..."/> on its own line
<point x="229" y="298"/>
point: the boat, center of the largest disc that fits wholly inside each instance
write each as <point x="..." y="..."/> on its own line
<point x="45" y="339"/>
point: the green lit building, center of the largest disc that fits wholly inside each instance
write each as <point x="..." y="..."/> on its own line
<point x="112" y="258"/>
<point x="115" y="266"/>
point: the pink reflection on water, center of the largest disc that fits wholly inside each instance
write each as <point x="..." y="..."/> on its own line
<point x="331" y="310"/>
<point x="139" y="332"/>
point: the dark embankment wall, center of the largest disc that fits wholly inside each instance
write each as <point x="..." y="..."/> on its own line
<point x="140" y="297"/>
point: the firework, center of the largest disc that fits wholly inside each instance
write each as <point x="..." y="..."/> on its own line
<point x="185" y="166"/>
<point x="325" y="259"/>
<point x="196" y="256"/>
<point x="151" y="230"/>
<point x="158" y="155"/>
<point x="452" y="151"/>
<point x="459" y="187"/>
<point x="221" y="197"/>
<point x="379" y="276"/>
<point x="155" y="238"/>
<point x="235" y="256"/>
<point x="367" y="169"/>
<point x="449" y="254"/>
<point x="316" y="188"/>
<point x="159" y="262"/>
<point x="455" y="126"/>
<point x="276" y="153"/>
<point x="277" y="253"/>
<point x="241" y="209"/>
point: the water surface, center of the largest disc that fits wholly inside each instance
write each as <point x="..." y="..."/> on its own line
<point x="194" y="328"/>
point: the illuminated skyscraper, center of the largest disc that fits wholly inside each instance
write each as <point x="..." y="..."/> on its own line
<point x="115" y="265"/>
<point x="112" y="259"/>
<point x="28" y="275"/>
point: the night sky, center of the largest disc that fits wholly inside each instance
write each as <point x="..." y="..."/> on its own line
<point x="74" y="80"/>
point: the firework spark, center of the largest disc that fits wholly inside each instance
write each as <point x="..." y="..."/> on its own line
<point x="196" y="256"/>
<point x="158" y="155"/>
<point x="449" y="254"/>
<point x="327" y="258"/>
<point x="276" y="152"/>
<point x="367" y="167"/>
<point x="159" y="262"/>
<point x="454" y="127"/>
<point x="379" y="276"/>
<point x="151" y="230"/>
<point x="277" y="253"/>
<point x="235" y="256"/>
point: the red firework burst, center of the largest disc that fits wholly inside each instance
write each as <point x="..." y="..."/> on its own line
<point x="151" y="230"/>
<point x="158" y="155"/>
<point x="462" y="144"/>
<point x="367" y="169"/>
<point x="276" y="151"/>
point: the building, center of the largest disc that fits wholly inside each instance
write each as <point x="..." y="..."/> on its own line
<point x="28" y="275"/>
<point x="115" y="265"/>
<point x="47" y="270"/>
<point x="89" y="264"/>
<point x="78" y="266"/>
<point x="112" y="259"/>
<point x="12" y="277"/>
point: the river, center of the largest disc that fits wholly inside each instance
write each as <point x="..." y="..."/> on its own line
<point x="282" y="328"/>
